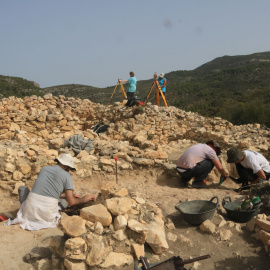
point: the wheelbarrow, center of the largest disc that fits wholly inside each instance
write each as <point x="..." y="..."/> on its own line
<point x="196" y="212"/>
<point x="240" y="216"/>
<point x="174" y="263"/>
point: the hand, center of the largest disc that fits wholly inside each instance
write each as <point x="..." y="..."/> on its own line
<point x="77" y="195"/>
<point x="88" y="198"/>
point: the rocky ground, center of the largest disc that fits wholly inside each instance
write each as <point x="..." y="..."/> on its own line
<point x="147" y="142"/>
<point x="240" y="250"/>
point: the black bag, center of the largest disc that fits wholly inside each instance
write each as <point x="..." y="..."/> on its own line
<point x="102" y="129"/>
<point x="96" y="127"/>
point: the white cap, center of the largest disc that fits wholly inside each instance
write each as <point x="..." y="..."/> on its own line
<point x="161" y="75"/>
<point x="66" y="160"/>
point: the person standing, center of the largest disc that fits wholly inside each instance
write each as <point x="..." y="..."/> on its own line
<point x="198" y="161"/>
<point x="251" y="166"/>
<point x="162" y="82"/>
<point x="40" y="207"/>
<point x="132" y="82"/>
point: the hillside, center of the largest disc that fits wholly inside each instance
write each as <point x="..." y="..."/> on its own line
<point x="235" y="88"/>
<point x="19" y="87"/>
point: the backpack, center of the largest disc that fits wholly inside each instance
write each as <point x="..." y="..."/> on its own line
<point x="100" y="128"/>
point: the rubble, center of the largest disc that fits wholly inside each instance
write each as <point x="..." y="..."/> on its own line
<point x="114" y="229"/>
<point x="33" y="130"/>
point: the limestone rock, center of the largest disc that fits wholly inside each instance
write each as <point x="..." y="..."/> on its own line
<point x="171" y="237"/>
<point x="225" y="235"/>
<point x="208" y="226"/>
<point x="120" y="235"/>
<point x="43" y="264"/>
<point x="23" y="166"/>
<point x="263" y="224"/>
<point x="75" y="265"/>
<point x="120" y="223"/>
<point x="118" y="206"/>
<point x="98" y="228"/>
<point x="97" y="250"/>
<point x="263" y="236"/>
<point x="185" y="240"/>
<point x="136" y="226"/>
<point x="156" y="238"/>
<point x="138" y="250"/>
<point x="97" y="213"/>
<point x="117" y="259"/>
<point x="73" y="226"/>
<point x="74" y="248"/>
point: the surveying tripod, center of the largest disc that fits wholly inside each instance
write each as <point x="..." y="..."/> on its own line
<point x="122" y="91"/>
<point x="158" y="92"/>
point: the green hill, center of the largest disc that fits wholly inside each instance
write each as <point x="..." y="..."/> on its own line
<point x="14" y="86"/>
<point x="236" y="88"/>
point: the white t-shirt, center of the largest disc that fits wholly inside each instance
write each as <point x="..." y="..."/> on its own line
<point x="255" y="161"/>
<point x="195" y="154"/>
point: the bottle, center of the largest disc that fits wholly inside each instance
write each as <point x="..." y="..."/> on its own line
<point x="245" y="204"/>
<point x="255" y="201"/>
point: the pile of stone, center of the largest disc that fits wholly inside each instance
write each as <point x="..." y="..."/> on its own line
<point x="33" y="129"/>
<point x="111" y="232"/>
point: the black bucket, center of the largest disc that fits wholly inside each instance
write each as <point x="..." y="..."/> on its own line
<point x="240" y="216"/>
<point x="196" y="212"/>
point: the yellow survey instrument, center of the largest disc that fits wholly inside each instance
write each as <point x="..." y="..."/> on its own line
<point x="122" y="91"/>
<point x="158" y="93"/>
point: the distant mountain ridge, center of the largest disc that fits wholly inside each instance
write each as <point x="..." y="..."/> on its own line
<point x="236" y="88"/>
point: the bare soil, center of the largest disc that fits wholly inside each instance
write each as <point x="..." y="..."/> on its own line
<point x="242" y="251"/>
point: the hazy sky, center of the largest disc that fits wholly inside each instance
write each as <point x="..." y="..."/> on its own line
<point x="95" y="42"/>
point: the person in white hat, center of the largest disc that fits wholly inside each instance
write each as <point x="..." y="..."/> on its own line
<point x="40" y="207"/>
<point x="162" y="82"/>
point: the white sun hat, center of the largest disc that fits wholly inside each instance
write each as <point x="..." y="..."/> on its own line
<point x="66" y="160"/>
<point x="161" y="75"/>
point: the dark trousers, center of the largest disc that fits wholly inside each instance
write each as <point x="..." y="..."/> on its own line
<point x="247" y="175"/>
<point x="130" y="95"/>
<point x="199" y="172"/>
<point x="23" y="193"/>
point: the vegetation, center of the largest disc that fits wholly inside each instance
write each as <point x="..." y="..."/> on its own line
<point x="13" y="86"/>
<point x="236" y="88"/>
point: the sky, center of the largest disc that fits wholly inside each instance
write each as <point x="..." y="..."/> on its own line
<point x="95" y="42"/>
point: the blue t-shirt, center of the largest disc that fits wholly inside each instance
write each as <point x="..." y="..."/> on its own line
<point x="161" y="83"/>
<point x="52" y="181"/>
<point x="132" y="81"/>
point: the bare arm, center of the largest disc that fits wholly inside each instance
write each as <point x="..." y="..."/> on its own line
<point x="165" y="82"/>
<point x="74" y="200"/>
<point x="261" y="175"/>
<point x="123" y="81"/>
<point x="220" y="168"/>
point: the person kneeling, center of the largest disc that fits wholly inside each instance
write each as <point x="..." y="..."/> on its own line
<point x="40" y="206"/>
<point x="198" y="161"/>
